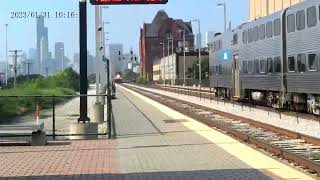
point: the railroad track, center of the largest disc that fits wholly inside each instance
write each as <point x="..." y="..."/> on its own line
<point x="299" y="149"/>
<point x="209" y="94"/>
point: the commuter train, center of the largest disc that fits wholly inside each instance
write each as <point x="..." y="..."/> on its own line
<point x="118" y="78"/>
<point x="272" y="61"/>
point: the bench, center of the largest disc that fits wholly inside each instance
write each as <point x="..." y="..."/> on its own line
<point x="38" y="136"/>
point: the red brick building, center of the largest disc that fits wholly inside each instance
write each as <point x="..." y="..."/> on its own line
<point x="159" y="31"/>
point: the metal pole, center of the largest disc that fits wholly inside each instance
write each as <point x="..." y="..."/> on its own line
<point x="225" y="16"/>
<point x="199" y="54"/>
<point x="53" y="118"/>
<point x="184" y="57"/>
<point x="167" y="59"/>
<point x="172" y="77"/>
<point x="97" y="26"/>
<point x="83" y="61"/>
<point x="163" y="60"/>
<point x="7" y="60"/>
<point x="15" y="67"/>
<point x="108" y="99"/>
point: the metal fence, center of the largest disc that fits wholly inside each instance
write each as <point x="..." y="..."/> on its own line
<point x="57" y="112"/>
<point x="189" y="82"/>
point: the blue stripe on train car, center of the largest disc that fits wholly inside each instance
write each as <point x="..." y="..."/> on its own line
<point x="226" y="55"/>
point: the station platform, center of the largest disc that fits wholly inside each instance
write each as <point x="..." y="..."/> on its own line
<point x="153" y="142"/>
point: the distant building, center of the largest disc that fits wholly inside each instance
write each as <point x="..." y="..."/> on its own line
<point x="261" y="8"/>
<point x="42" y="46"/>
<point x="157" y="71"/>
<point x="44" y="52"/>
<point x="59" y="55"/>
<point x="172" y="67"/>
<point x="198" y="41"/>
<point x="91" y="69"/>
<point x="32" y="59"/>
<point x="159" y="31"/>
<point x="209" y="37"/>
<point x="115" y="52"/>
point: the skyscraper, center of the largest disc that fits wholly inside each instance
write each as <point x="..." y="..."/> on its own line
<point x="59" y="55"/>
<point x="40" y="33"/>
<point x="198" y="41"/>
<point x="42" y="46"/>
<point x="33" y="60"/>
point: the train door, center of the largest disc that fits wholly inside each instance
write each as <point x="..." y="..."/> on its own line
<point x="236" y="76"/>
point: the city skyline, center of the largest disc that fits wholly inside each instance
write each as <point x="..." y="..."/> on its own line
<point x="124" y="19"/>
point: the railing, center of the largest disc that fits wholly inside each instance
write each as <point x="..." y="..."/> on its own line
<point x="189" y="82"/>
<point x="57" y="112"/>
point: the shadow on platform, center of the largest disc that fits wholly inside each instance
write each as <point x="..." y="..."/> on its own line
<point x="223" y="174"/>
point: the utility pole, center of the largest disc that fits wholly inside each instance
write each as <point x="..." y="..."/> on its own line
<point x="7" y="60"/>
<point x="14" y="66"/>
<point x="163" y="61"/>
<point x="28" y="66"/>
<point x="172" y="76"/>
<point x="167" y="60"/>
<point x="184" y="57"/>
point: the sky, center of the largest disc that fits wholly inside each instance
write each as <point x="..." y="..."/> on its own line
<point x="124" y="27"/>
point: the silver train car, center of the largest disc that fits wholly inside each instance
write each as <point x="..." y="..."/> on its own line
<point x="272" y="61"/>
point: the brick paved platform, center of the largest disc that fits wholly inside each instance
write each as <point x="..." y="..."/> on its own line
<point x="154" y="143"/>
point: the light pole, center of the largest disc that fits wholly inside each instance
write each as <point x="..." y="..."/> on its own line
<point x="225" y="14"/>
<point x="163" y="61"/>
<point x="172" y="77"/>
<point x="7" y="63"/>
<point x="184" y="56"/>
<point x="197" y="20"/>
<point x="170" y="69"/>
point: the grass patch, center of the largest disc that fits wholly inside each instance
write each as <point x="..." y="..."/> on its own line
<point x="63" y="83"/>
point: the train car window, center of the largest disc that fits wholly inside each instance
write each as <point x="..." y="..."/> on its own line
<point x="250" y="67"/>
<point x="220" y="69"/>
<point x="216" y="70"/>
<point x="301" y="20"/>
<point x="277" y="27"/>
<point x="245" y="37"/>
<point x="312" y="62"/>
<point x="291" y="64"/>
<point x="256" y="66"/>
<point x="263" y="66"/>
<point x="277" y="64"/>
<point x="312" y="16"/>
<point x="235" y="39"/>
<point x="250" y="36"/>
<point x="245" y="67"/>
<point x="269" y="29"/>
<point x="262" y="31"/>
<point x="270" y="65"/>
<point x="291" y="26"/>
<point x="301" y="62"/>
<point x="256" y="33"/>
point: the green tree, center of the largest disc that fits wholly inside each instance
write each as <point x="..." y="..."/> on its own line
<point x="129" y="75"/>
<point x="194" y="71"/>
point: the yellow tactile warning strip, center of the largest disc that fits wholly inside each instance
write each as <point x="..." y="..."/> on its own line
<point x="245" y="153"/>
